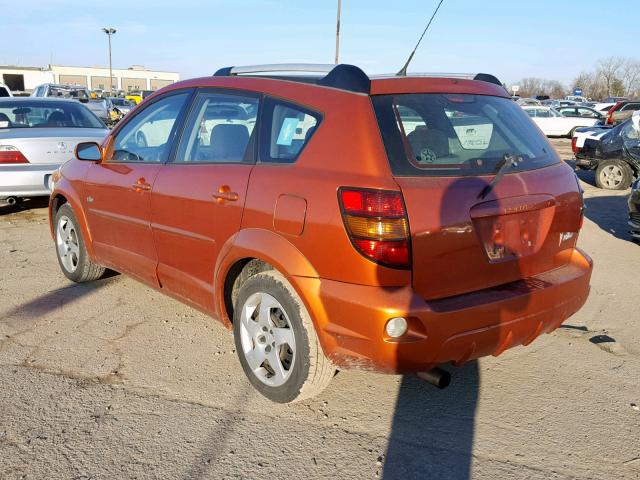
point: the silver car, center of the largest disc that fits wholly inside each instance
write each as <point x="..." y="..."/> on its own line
<point x="37" y="135"/>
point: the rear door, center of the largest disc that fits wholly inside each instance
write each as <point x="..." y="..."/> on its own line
<point x="198" y="197"/>
<point x="465" y="236"/>
<point x="118" y="190"/>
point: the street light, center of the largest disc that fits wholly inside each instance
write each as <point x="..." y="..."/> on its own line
<point x="110" y="31"/>
<point x="338" y="31"/>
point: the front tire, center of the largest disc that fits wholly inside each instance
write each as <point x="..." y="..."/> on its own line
<point x="614" y="175"/>
<point x="276" y="341"/>
<point x="70" y="248"/>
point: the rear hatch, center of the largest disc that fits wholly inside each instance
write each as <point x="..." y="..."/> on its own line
<point x="467" y="234"/>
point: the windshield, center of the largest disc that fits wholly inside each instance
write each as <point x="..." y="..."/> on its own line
<point x="51" y="114"/>
<point x="456" y="135"/>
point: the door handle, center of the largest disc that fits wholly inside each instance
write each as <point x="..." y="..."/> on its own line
<point x="224" y="193"/>
<point x="141" y="185"/>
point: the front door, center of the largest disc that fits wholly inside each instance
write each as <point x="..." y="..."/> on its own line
<point x="198" y="197"/>
<point x="118" y="190"/>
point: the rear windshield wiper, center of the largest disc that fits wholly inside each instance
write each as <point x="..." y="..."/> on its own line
<point x="509" y="160"/>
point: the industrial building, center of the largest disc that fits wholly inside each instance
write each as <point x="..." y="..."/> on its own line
<point x="136" y="77"/>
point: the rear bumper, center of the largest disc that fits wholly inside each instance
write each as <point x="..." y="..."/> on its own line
<point x="586" y="163"/>
<point x="350" y="319"/>
<point x="26" y="180"/>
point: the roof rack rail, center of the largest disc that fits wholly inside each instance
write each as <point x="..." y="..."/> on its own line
<point x="483" y="77"/>
<point x="342" y="76"/>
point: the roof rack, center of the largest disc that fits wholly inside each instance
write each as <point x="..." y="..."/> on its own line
<point x="342" y="76"/>
<point x="483" y="77"/>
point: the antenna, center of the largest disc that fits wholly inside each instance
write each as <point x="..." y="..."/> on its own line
<point x="403" y="70"/>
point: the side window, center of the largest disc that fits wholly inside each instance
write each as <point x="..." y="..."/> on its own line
<point x="286" y="129"/>
<point x="629" y="133"/>
<point x="531" y="112"/>
<point x="218" y="129"/>
<point x="147" y="136"/>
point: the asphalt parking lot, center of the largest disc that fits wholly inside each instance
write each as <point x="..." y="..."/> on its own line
<point x="114" y="380"/>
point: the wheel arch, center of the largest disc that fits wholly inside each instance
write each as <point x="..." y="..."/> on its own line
<point x="251" y="251"/>
<point x="59" y="198"/>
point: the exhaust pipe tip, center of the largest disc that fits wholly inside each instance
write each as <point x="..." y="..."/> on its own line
<point x="437" y="377"/>
<point x="11" y="201"/>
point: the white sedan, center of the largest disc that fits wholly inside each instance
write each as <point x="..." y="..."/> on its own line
<point x="554" y="124"/>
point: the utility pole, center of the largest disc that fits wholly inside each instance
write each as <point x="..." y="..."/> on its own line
<point x="338" y="32"/>
<point x="110" y="31"/>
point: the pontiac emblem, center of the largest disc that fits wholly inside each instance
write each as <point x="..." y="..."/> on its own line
<point x="62" y="146"/>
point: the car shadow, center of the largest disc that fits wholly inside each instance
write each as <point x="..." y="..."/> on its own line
<point x="433" y="430"/>
<point x="610" y="213"/>
<point x="24" y="205"/>
<point x="432" y="434"/>
<point x="55" y="299"/>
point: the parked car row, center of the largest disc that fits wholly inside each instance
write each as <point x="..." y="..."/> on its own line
<point x="109" y="109"/>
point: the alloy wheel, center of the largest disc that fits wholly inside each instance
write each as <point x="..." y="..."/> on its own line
<point x="267" y="339"/>
<point x="67" y="244"/>
<point x="611" y="176"/>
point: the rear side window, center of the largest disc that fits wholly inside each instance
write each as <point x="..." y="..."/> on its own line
<point x="457" y="135"/>
<point x="631" y="106"/>
<point x="286" y="129"/>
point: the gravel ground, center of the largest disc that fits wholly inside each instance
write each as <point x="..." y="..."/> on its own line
<point x="114" y="380"/>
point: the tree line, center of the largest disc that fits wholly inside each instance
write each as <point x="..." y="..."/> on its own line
<point x="611" y="77"/>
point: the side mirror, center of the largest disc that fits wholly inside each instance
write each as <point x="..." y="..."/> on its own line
<point x="88" y="152"/>
<point x="635" y="120"/>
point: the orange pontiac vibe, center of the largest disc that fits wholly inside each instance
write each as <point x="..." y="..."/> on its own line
<point x="334" y="221"/>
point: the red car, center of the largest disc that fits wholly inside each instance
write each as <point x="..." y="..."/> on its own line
<point x="334" y="221"/>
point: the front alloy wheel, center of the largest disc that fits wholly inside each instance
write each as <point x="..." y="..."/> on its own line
<point x="67" y="244"/>
<point x="70" y="248"/>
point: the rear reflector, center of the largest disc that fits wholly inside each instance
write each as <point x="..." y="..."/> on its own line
<point x="10" y="154"/>
<point x="394" y="254"/>
<point x="377" y="225"/>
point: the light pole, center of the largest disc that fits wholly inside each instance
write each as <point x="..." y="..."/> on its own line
<point x="110" y="31"/>
<point x="338" y="31"/>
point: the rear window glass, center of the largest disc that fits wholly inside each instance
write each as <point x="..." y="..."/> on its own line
<point x="456" y="135"/>
<point x="51" y="114"/>
<point x="287" y="128"/>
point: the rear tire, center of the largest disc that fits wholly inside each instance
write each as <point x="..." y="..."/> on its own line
<point x="272" y="325"/>
<point x="614" y="175"/>
<point x="70" y="248"/>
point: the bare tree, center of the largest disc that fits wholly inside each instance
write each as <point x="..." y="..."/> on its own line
<point x="531" y="86"/>
<point x="630" y="77"/>
<point x="554" y="89"/>
<point x="592" y="86"/>
<point x="609" y="69"/>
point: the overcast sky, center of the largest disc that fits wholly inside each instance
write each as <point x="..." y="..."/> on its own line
<point x="511" y="39"/>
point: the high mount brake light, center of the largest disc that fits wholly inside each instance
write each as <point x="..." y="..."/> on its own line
<point x="377" y="224"/>
<point x="10" y="154"/>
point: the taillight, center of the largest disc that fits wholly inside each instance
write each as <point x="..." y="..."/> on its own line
<point x="10" y="154"/>
<point x="377" y="224"/>
<point x="574" y="145"/>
